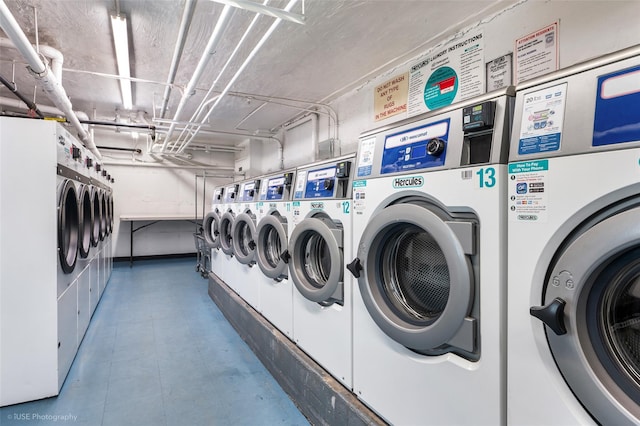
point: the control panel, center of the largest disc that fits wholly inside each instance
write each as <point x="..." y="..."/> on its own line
<point x="230" y="193"/>
<point x="249" y="191"/>
<point x="218" y="196"/>
<point x="477" y="125"/>
<point x="326" y="181"/>
<point x="277" y="187"/>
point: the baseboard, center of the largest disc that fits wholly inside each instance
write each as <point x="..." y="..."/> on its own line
<point x="320" y="397"/>
<point x="155" y="257"/>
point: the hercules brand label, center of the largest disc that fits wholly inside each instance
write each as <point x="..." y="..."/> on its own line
<point x="408" y="182"/>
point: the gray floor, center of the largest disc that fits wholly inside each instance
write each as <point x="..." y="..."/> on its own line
<point x="159" y="352"/>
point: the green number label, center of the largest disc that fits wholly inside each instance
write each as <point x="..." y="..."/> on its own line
<point x="487" y="177"/>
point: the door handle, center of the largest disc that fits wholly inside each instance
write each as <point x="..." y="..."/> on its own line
<point x="552" y="315"/>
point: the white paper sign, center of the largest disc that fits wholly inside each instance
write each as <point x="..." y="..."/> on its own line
<point x="537" y="53"/>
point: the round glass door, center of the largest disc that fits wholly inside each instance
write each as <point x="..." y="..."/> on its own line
<point x="243" y="237"/>
<point x="68" y="227"/>
<point x="211" y="227"/>
<point x="416" y="278"/>
<point x="226" y="232"/>
<point x="317" y="259"/>
<point x="103" y="216"/>
<point x="86" y="212"/>
<point x="95" y="218"/>
<point x="272" y="246"/>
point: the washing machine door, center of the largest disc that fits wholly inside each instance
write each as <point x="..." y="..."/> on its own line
<point x="109" y="219"/>
<point x="272" y="246"/>
<point x="95" y="218"/>
<point x="226" y="232"/>
<point x="243" y="237"/>
<point x="592" y="313"/>
<point x="317" y="264"/>
<point x="68" y="226"/>
<point x="86" y="219"/>
<point x="211" y="226"/>
<point x="415" y="275"/>
<point x="103" y="216"/>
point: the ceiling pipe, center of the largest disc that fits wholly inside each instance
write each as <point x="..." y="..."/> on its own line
<point x="32" y="106"/>
<point x="43" y="74"/>
<point x="15" y="103"/>
<point x="244" y="65"/>
<point x="57" y="60"/>
<point x="163" y="166"/>
<point x="221" y="25"/>
<point x="185" y="24"/>
<point x="205" y="100"/>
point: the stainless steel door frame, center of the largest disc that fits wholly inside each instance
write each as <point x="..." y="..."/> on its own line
<point x="68" y="226"/>
<point x="211" y="228"/>
<point x="272" y="246"/>
<point x="226" y="235"/>
<point x="243" y="237"/>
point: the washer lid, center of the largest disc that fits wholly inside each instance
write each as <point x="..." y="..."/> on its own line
<point x="317" y="263"/>
<point x="416" y="278"/>
<point x="211" y="227"/>
<point x="593" y="314"/>
<point x="68" y="227"/>
<point x="226" y="233"/>
<point x="243" y="237"/>
<point x="272" y="254"/>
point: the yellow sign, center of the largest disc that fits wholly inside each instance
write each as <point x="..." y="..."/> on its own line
<point x="390" y="98"/>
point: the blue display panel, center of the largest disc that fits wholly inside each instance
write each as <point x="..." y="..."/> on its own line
<point x="317" y="182"/>
<point x="408" y="150"/>
<point x="230" y="194"/>
<point x="617" y="108"/>
<point x="246" y="191"/>
<point x="275" y="188"/>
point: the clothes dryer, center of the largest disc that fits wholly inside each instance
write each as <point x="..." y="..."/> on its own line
<point x="211" y="228"/>
<point x="319" y="243"/>
<point x="272" y="245"/>
<point x="243" y="240"/>
<point x="429" y="314"/>
<point x="574" y="246"/>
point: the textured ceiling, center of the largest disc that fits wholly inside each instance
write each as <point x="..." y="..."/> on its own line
<point x="343" y="44"/>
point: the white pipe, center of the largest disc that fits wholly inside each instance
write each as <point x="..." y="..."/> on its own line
<point x="221" y="25"/>
<point x="205" y="100"/>
<point x="244" y="65"/>
<point x="142" y="164"/>
<point x="43" y="75"/>
<point x="17" y="103"/>
<point x="57" y="60"/>
<point x="185" y="23"/>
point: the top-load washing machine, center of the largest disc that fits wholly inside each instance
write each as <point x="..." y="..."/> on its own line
<point x="429" y="314"/>
<point x="243" y="240"/>
<point x="211" y="231"/>
<point x="574" y="246"/>
<point x="229" y="266"/>
<point x="318" y="246"/>
<point x="272" y="245"/>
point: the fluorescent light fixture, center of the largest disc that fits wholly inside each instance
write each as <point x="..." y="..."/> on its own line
<point x="121" y="42"/>
<point x="265" y="10"/>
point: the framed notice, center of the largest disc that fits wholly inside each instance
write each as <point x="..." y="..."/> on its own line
<point x="537" y="53"/>
<point x="499" y="72"/>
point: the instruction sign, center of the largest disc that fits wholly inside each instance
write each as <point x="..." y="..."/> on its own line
<point x="528" y="188"/>
<point x="499" y="73"/>
<point x="390" y="98"/>
<point x="365" y="156"/>
<point x="542" y="120"/>
<point x="537" y="53"/>
<point x="451" y="74"/>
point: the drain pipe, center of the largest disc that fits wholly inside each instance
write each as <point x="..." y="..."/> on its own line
<point x="221" y="25"/>
<point x="43" y="74"/>
<point x="185" y="23"/>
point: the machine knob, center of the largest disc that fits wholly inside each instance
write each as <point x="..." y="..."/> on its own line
<point x="98" y="167"/>
<point x="280" y="190"/>
<point x="89" y="162"/>
<point x="552" y="315"/>
<point x="285" y="256"/>
<point x="435" y="147"/>
<point x="233" y="195"/>
<point x="328" y="184"/>
<point x="355" y="267"/>
<point x="113" y="180"/>
<point x="109" y="177"/>
<point x="251" y="193"/>
<point x="75" y="152"/>
<point x="252" y="245"/>
<point x="104" y="173"/>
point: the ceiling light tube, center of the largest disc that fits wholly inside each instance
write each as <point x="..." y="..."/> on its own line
<point x="121" y="43"/>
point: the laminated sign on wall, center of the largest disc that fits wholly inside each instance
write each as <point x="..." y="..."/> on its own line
<point x="451" y="74"/>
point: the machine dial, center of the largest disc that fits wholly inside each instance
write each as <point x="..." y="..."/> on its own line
<point x="89" y="162"/>
<point x="279" y="190"/>
<point x="435" y="147"/>
<point x="328" y="184"/>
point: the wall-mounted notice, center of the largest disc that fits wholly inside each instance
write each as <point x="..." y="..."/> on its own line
<point x="499" y="73"/>
<point x="537" y="53"/>
<point x="390" y="98"/>
<point x="542" y="120"/>
<point x="453" y="73"/>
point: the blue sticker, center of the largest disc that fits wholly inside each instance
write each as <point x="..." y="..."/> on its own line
<point x="617" y="115"/>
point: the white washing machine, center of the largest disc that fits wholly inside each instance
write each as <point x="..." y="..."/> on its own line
<point x="229" y="266"/>
<point x="272" y="250"/>
<point x="243" y="240"/>
<point x="318" y="245"/>
<point x="211" y="228"/>
<point x="429" y="312"/>
<point x="574" y="246"/>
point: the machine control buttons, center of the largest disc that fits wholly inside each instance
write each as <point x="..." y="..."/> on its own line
<point x="88" y="162"/>
<point x="342" y="169"/>
<point x="552" y="315"/>
<point x="98" y="167"/>
<point x="328" y="184"/>
<point x="435" y="147"/>
<point x="104" y="173"/>
<point x="75" y="152"/>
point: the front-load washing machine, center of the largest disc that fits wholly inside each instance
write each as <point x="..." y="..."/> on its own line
<point x="429" y="314"/>
<point x="272" y="244"/>
<point x="574" y="246"/>
<point x="211" y="230"/>
<point x="243" y="240"/>
<point x="318" y="246"/>
<point x="228" y="264"/>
